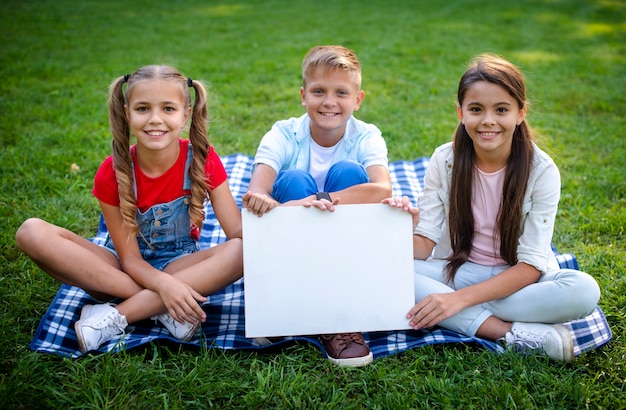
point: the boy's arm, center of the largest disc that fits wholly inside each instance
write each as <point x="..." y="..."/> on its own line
<point x="374" y="191"/>
<point x="258" y="199"/>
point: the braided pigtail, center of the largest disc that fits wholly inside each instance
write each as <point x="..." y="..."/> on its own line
<point x="122" y="159"/>
<point x="198" y="138"/>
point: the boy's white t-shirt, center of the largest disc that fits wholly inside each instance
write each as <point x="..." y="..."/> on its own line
<point x="320" y="161"/>
<point x="486" y="200"/>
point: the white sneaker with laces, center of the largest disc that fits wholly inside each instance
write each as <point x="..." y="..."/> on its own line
<point x="98" y="324"/>
<point x="181" y="331"/>
<point x="554" y="340"/>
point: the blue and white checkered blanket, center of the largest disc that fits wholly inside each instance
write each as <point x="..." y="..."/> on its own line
<point x="225" y="328"/>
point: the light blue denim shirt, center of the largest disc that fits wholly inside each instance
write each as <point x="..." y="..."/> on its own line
<point x="287" y="145"/>
<point x="538" y="211"/>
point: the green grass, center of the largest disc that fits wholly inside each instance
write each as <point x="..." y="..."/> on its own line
<point x="58" y="58"/>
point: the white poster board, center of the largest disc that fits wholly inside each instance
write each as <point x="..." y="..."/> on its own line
<point x="309" y="272"/>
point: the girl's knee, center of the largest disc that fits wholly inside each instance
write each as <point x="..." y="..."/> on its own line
<point x="234" y="249"/>
<point x="589" y="287"/>
<point x="29" y="231"/>
<point x="583" y="291"/>
<point x="236" y="244"/>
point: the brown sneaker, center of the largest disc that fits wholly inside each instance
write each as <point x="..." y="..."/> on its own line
<point x="347" y="349"/>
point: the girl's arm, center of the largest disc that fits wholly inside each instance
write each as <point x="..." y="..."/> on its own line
<point x="172" y="291"/>
<point x="127" y="248"/>
<point x="499" y="286"/>
<point x="226" y="210"/>
<point x="439" y="306"/>
<point x="422" y="246"/>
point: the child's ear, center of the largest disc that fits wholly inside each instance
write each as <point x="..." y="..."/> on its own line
<point x="187" y="114"/>
<point x="302" y="94"/>
<point x="359" y="99"/>
<point x="522" y="115"/>
<point x="459" y="113"/>
<point x="126" y="112"/>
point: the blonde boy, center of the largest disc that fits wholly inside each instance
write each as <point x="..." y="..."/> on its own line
<point x="324" y="157"/>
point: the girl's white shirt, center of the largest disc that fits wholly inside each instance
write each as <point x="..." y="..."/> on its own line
<point x="539" y="209"/>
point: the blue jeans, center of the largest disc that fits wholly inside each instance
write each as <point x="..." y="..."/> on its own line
<point x="293" y="184"/>
<point x="558" y="296"/>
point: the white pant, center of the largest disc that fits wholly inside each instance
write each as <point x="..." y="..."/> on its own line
<point x="558" y="296"/>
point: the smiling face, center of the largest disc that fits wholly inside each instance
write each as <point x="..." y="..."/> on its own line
<point x="490" y="115"/>
<point x="156" y="113"/>
<point x="330" y="97"/>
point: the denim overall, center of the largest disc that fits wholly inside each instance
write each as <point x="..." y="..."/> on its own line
<point x="164" y="229"/>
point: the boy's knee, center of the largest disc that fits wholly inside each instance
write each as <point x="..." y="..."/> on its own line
<point x="344" y="174"/>
<point x="293" y="184"/>
<point x="294" y="176"/>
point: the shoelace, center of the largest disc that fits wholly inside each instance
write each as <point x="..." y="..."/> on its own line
<point x="520" y="345"/>
<point x="344" y="338"/>
<point x="113" y="323"/>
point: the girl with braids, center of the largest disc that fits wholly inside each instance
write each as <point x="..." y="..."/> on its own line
<point x="482" y="239"/>
<point x="152" y="196"/>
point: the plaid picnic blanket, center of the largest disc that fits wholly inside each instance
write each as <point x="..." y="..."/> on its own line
<point x="225" y="327"/>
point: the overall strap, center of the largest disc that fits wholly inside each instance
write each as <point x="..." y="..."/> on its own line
<point x="132" y="168"/>
<point x="187" y="180"/>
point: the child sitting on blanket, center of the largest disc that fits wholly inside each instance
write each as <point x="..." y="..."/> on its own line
<point x="488" y="209"/>
<point x="152" y="196"/>
<point x="323" y="157"/>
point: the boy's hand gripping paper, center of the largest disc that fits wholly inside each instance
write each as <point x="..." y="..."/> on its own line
<point x="311" y="272"/>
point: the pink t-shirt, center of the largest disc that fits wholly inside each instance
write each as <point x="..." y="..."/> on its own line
<point x="486" y="200"/>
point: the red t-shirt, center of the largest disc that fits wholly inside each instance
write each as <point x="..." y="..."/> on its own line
<point x="152" y="191"/>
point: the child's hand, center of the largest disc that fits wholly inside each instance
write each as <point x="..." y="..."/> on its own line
<point x="257" y="203"/>
<point x="181" y="301"/>
<point x="322" y="204"/>
<point x="433" y="309"/>
<point x="404" y="203"/>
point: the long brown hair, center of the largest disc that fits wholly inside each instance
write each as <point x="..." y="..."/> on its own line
<point x="120" y="130"/>
<point x="496" y="70"/>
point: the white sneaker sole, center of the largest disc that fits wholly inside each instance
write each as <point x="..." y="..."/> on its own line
<point x="86" y="311"/>
<point x="353" y="362"/>
<point x="79" y="336"/>
<point x="191" y="333"/>
<point x="568" y="342"/>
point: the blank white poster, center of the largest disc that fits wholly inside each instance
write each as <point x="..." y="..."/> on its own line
<point x="309" y="272"/>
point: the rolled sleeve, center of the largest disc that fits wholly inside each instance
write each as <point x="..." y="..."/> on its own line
<point x="274" y="148"/>
<point x="434" y="202"/>
<point x="539" y="213"/>
<point x="373" y="148"/>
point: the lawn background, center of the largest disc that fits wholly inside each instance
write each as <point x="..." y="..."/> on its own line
<point x="58" y="57"/>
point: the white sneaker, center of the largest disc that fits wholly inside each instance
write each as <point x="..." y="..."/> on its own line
<point x="98" y="324"/>
<point x="181" y="331"/>
<point x="555" y="340"/>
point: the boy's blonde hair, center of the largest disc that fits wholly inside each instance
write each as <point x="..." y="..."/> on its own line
<point x="331" y="57"/>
